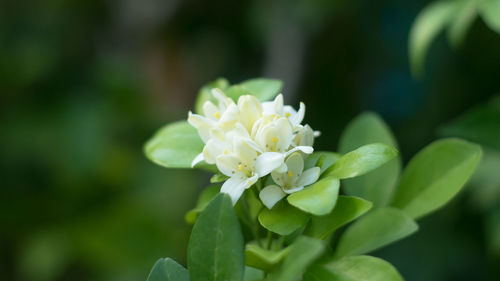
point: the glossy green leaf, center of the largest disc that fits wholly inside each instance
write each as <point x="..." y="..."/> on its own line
<point x="174" y="146"/>
<point x="321" y="159"/>
<point x="461" y="21"/>
<point x="215" y="237"/>
<point x="303" y="252"/>
<point x="354" y="268"/>
<point x="480" y="124"/>
<point x="283" y="218"/>
<point x="376" y="186"/>
<point x="205" y="93"/>
<point x="374" y="230"/>
<point x="435" y="175"/>
<point x="428" y="24"/>
<point x="263" y="89"/>
<point x="260" y="258"/>
<point x="490" y="9"/>
<point x="168" y="270"/>
<point x="361" y="161"/>
<point x="205" y="197"/>
<point x="347" y="209"/>
<point x="318" y="199"/>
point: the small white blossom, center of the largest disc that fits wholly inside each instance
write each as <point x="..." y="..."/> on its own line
<point x="250" y="139"/>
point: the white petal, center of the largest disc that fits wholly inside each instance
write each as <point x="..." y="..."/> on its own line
<point x="278" y="104"/>
<point x="250" y="110"/>
<point x="267" y="162"/>
<point x="202" y="124"/>
<point x="197" y="159"/>
<point x="297" y="118"/>
<point x="229" y="117"/>
<point x="292" y="190"/>
<point x="210" y="110"/>
<point x="214" y="148"/>
<point x="270" y="195"/>
<point x="305" y="149"/>
<point x="309" y="176"/>
<point x="228" y="164"/>
<point x="295" y="164"/>
<point x="245" y="152"/>
<point x="234" y="187"/>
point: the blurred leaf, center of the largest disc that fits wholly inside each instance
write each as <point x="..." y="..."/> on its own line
<point x="490" y="9"/>
<point x="302" y="253"/>
<point x="462" y="19"/>
<point x="205" y="93"/>
<point x="374" y="230"/>
<point x="168" y="270"/>
<point x="318" y="198"/>
<point x="321" y="159"/>
<point x="355" y="268"/>
<point x="480" y="124"/>
<point x="263" y="89"/>
<point x="376" y="186"/>
<point x="215" y="250"/>
<point x="361" y="161"/>
<point x="429" y="22"/>
<point x="347" y="209"/>
<point x="174" y="146"/>
<point x="260" y="258"/>
<point x="205" y="197"/>
<point x="283" y="218"/>
<point x="486" y="181"/>
<point x="253" y="274"/>
<point x="435" y="175"/>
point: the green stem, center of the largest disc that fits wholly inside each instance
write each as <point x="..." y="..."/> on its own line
<point x="251" y="222"/>
<point x="269" y="240"/>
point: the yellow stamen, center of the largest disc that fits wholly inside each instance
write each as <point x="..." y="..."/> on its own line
<point x="226" y="151"/>
<point x="217" y="114"/>
<point x="290" y="173"/>
<point x="287" y="114"/>
<point x="274" y="139"/>
<point x="240" y="167"/>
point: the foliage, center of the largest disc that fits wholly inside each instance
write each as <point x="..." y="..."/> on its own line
<point x="289" y="241"/>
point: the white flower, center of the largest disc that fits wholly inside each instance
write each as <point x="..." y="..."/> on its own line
<point x="273" y="136"/>
<point x="249" y="139"/>
<point x="292" y="180"/>
<point x="239" y="166"/>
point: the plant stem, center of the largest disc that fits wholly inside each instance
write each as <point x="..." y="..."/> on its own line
<point x="269" y="240"/>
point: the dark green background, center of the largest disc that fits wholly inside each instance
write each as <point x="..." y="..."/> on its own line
<point x="84" y="84"/>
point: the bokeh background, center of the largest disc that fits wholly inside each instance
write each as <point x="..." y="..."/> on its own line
<point x="84" y="84"/>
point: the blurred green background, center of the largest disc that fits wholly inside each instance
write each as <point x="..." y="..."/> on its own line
<point x="84" y="84"/>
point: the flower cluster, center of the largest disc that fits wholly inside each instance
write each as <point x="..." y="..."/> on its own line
<point x="248" y="140"/>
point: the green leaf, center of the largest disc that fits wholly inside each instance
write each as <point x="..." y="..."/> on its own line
<point x="253" y="274"/>
<point x="263" y="89"/>
<point x="490" y="9"/>
<point x="321" y="159"/>
<point x="355" y="268"/>
<point x="174" y="146"/>
<point x="376" y="186"/>
<point x="480" y="124"/>
<point x="205" y="93"/>
<point x="215" y="250"/>
<point x="435" y="175"/>
<point x="361" y="161"/>
<point x="428" y="24"/>
<point x="374" y="230"/>
<point x="283" y="218"/>
<point x="218" y="178"/>
<point x="260" y="258"/>
<point x="302" y="253"/>
<point x="318" y="198"/>
<point x="168" y="270"/>
<point x="461" y="21"/>
<point x="205" y="197"/>
<point x="347" y="209"/>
